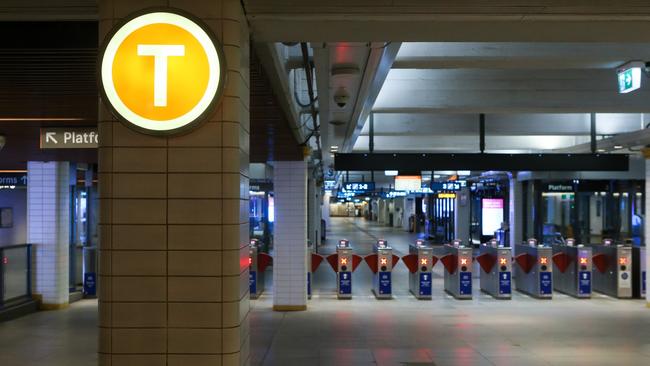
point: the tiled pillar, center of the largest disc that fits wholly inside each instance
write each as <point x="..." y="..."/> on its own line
<point x="515" y="210"/>
<point x="48" y="229"/>
<point x="646" y="227"/>
<point x="290" y="236"/>
<point x="173" y="284"/>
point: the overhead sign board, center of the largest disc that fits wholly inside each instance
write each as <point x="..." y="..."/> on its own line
<point x="161" y="72"/>
<point x="629" y="77"/>
<point x="408" y="182"/>
<point x="13" y="179"/>
<point x="329" y="184"/>
<point x="448" y="186"/>
<point x="359" y="187"/>
<point x="69" y="138"/>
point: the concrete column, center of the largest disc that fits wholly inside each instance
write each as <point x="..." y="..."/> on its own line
<point x="314" y="214"/>
<point x="515" y="211"/>
<point x="325" y="210"/>
<point x="173" y="283"/>
<point x="646" y="226"/>
<point x="290" y="236"/>
<point x="48" y="229"/>
<point x="462" y="215"/>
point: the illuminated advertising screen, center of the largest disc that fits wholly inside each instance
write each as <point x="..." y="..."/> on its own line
<point x="492" y="214"/>
<point x="408" y="182"/>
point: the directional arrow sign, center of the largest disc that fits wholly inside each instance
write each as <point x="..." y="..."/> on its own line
<point x="69" y="138"/>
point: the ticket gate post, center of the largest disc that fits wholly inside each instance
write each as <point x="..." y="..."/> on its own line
<point x="612" y="269"/>
<point x="344" y="262"/>
<point x="496" y="270"/>
<point x="313" y="262"/>
<point x="639" y="270"/>
<point x="258" y="262"/>
<point x="458" y="270"/>
<point x="420" y="262"/>
<point x="381" y="263"/>
<point x="533" y="270"/>
<point x="572" y="269"/>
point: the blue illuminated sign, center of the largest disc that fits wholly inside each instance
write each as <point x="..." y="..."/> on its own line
<point x="359" y="187"/>
<point x="448" y="186"/>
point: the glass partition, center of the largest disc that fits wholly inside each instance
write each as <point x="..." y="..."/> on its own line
<point x="15" y="273"/>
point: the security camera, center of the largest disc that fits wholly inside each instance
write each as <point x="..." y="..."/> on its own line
<point x="341" y="98"/>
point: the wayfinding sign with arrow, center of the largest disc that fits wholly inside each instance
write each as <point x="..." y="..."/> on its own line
<point x="69" y="138"/>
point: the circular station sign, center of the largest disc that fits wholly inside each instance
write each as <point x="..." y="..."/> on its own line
<point x="161" y="71"/>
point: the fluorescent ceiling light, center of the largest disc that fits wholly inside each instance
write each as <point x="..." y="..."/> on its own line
<point x="463" y="172"/>
<point x="390" y="173"/>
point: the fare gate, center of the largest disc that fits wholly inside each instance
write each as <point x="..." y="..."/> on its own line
<point x="381" y="263"/>
<point x="258" y="262"/>
<point x="639" y="267"/>
<point x="572" y="269"/>
<point x="344" y="262"/>
<point x="612" y="269"/>
<point x="420" y="262"/>
<point x="534" y="272"/>
<point x="495" y="270"/>
<point x="458" y="270"/>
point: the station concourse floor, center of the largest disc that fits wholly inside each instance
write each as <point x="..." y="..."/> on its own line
<point x="366" y="331"/>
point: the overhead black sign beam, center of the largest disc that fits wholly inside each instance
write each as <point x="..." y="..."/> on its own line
<point x="507" y="162"/>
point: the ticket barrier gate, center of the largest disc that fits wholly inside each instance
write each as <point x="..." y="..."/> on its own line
<point x="612" y="269"/>
<point x="639" y="270"/>
<point x="381" y="263"/>
<point x="314" y="260"/>
<point x="344" y="262"/>
<point x="533" y="271"/>
<point x="258" y="262"/>
<point x="420" y="262"/>
<point x="496" y="270"/>
<point x="572" y="269"/>
<point x="458" y="270"/>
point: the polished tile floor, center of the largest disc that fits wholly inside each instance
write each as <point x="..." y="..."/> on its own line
<point x="401" y="331"/>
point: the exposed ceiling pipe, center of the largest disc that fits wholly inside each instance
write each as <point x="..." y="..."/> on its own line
<point x="312" y="101"/>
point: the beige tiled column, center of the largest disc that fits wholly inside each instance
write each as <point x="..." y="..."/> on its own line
<point x="173" y="285"/>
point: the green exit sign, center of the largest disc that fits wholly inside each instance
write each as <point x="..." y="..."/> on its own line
<point x="629" y="77"/>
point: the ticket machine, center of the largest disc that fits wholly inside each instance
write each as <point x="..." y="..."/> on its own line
<point x="458" y="270"/>
<point x="344" y="262"/>
<point x="572" y="269"/>
<point x="258" y="262"/>
<point x="533" y="269"/>
<point x="612" y="269"/>
<point x="496" y="270"/>
<point x="420" y="262"/>
<point x="381" y="263"/>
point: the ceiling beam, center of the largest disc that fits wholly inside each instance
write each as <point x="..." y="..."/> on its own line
<point x="507" y="162"/>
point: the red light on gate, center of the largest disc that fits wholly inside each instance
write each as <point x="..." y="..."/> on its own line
<point x="463" y="261"/>
<point x="424" y="261"/>
<point x="5" y="260"/>
<point x="543" y="260"/>
<point x="503" y="261"/>
<point x="622" y="260"/>
<point x="383" y="261"/>
<point x="583" y="260"/>
<point x="344" y="261"/>
<point x="250" y="261"/>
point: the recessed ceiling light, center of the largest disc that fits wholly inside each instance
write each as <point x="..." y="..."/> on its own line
<point x="618" y="146"/>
